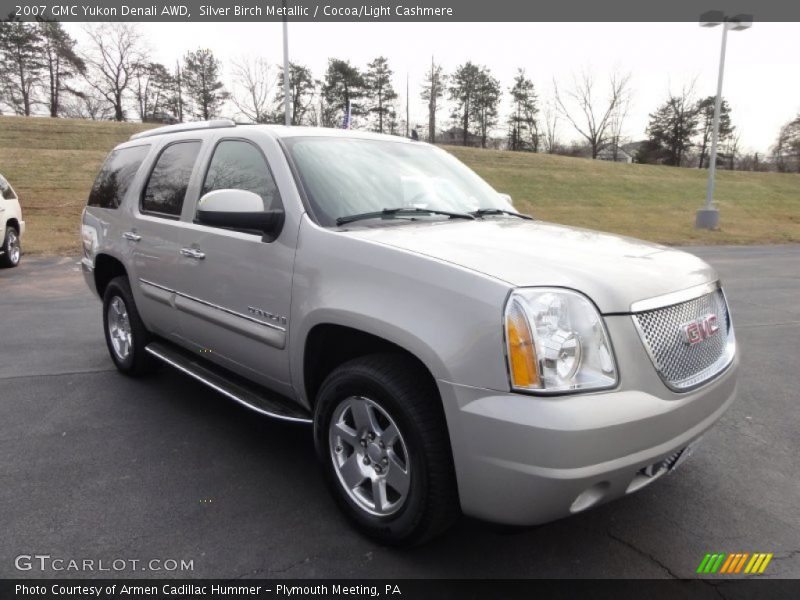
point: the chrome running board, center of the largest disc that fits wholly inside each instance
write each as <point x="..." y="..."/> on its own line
<point x="247" y="394"/>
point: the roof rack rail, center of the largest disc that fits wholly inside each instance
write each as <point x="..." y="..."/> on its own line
<point x="197" y="125"/>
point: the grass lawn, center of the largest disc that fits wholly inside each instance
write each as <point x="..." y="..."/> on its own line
<point x="52" y="164"/>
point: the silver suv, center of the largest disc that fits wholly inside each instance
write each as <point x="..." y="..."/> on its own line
<point x="452" y="354"/>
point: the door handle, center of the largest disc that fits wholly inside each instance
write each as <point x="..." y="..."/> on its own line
<point x="130" y="235"/>
<point x="192" y="253"/>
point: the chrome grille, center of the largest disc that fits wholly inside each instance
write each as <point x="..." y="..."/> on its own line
<point x="680" y="364"/>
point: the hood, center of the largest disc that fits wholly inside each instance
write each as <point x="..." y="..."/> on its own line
<point x="614" y="271"/>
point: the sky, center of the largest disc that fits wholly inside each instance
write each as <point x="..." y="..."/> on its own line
<point x="761" y="75"/>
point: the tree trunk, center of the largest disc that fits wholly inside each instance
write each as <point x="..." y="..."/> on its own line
<point x="432" y="117"/>
<point x="380" y="112"/>
<point x="119" y="115"/>
<point x="465" y="123"/>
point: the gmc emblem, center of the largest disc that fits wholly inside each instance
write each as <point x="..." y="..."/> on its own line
<point x="700" y="329"/>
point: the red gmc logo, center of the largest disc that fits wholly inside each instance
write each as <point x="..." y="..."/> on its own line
<point x="700" y="329"/>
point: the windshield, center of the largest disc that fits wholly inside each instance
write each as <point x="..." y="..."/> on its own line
<point x="347" y="176"/>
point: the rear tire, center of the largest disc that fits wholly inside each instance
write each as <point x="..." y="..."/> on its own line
<point x="380" y="434"/>
<point x="126" y="335"/>
<point x="12" y="250"/>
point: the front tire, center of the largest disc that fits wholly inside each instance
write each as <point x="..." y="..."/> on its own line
<point x="126" y="335"/>
<point x="381" y="437"/>
<point x="12" y="250"/>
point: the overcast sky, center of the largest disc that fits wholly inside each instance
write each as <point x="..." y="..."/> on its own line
<point x="761" y="76"/>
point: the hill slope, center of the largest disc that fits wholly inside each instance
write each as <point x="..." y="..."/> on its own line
<point x="52" y="163"/>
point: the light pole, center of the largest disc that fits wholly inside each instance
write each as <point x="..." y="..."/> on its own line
<point x="708" y="216"/>
<point x="286" y="100"/>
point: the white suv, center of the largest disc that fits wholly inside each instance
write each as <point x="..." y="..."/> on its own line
<point x="13" y="227"/>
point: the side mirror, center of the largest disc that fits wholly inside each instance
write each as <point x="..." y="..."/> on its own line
<point x="239" y="209"/>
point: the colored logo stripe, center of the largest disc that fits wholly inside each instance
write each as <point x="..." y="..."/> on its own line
<point x="734" y="562"/>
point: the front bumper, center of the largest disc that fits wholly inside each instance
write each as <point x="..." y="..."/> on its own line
<point x="524" y="460"/>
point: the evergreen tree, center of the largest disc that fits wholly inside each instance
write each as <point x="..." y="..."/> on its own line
<point x="671" y="130"/>
<point x="433" y="89"/>
<point x="464" y="91"/>
<point x="486" y="102"/>
<point x="201" y="78"/>
<point x="344" y="85"/>
<point x="379" y="90"/>
<point x="302" y="88"/>
<point x="61" y="62"/>
<point x="705" y="110"/>
<point x="523" y="128"/>
<point x="21" y="65"/>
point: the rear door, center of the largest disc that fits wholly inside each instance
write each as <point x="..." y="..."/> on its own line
<point x="236" y="285"/>
<point x="156" y="232"/>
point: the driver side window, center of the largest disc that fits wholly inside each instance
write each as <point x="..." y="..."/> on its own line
<point x="239" y="165"/>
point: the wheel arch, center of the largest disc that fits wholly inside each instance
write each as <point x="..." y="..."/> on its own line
<point x="106" y="268"/>
<point x="328" y="345"/>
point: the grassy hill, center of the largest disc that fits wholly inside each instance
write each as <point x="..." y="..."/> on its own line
<point x="52" y="163"/>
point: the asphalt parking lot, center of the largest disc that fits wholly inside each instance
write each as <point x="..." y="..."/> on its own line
<point x="96" y="465"/>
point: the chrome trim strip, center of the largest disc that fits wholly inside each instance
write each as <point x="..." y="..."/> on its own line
<point x="216" y="306"/>
<point x="674" y="297"/>
<point x="223" y="391"/>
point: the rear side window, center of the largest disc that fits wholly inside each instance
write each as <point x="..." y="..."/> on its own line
<point x="239" y="165"/>
<point x="116" y="176"/>
<point x="166" y="187"/>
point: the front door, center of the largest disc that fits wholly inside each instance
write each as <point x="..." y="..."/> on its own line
<point x="235" y="286"/>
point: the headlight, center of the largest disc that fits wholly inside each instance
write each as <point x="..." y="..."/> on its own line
<point x="556" y="341"/>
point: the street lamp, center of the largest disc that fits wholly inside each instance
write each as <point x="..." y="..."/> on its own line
<point x="708" y="216"/>
<point x="286" y="99"/>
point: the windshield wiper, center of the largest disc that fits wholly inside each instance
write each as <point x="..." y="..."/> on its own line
<point x="482" y="212"/>
<point x="390" y="213"/>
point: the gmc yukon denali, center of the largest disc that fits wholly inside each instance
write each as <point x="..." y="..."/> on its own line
<point x="453" y="355"/>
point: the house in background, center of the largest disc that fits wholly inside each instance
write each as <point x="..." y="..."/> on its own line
<point x="455" y="137"/>
<point x="623" y="155"/>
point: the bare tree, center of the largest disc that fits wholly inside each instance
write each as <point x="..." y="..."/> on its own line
<point x="86" y="103"/>
<point x="116" y="50"/>
<point x="253" y="82"/>
<point x="589" y="115"/>
<point x="617" y="123"/>
<point x="550" y="120"/>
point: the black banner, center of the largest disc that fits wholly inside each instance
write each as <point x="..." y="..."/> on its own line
<point x="366" y="589"/>
<point x="445" y="11"/>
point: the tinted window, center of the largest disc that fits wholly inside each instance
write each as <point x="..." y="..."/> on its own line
<point x="240" y="165"/>
<point x="167" y="185"/>
<point x="116" y="176"/>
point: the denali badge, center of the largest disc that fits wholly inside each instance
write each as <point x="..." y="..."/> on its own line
<point x="700" y="329"/>
<point x="260" y="312"/>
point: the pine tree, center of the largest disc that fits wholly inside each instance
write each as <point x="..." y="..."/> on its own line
<point x="705" y="110"/>
<point x="523" y="128"/>
<point x="433" y="89"/>
<point x="201" y="78"/>
<point x="343" y="87"/>
<point x="379" y="90"/>
<point x="21" y="65"/>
